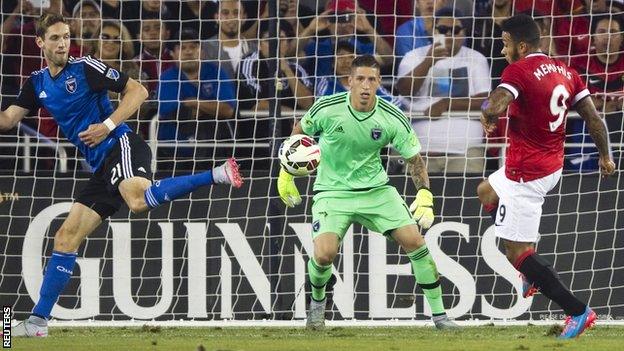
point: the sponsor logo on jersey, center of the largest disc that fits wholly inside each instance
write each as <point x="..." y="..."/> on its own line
<point x="112" y="74"/>
<point x="43" y="95"/>
<point x="376" y="133"/>
<point x="141" y="169"/>
<point x="594" y="81"/>
<point x="339" y="129"/>
<point x="64" y="270"/>
<point x="71" y="85"/>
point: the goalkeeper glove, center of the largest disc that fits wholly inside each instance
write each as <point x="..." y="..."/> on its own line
<point x="422" y="208"/>
<point x="287" y="189"/>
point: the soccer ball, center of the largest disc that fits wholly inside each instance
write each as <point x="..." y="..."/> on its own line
<point x="299" y="155"/>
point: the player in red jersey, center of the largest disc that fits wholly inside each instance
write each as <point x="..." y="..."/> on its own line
<point x="539" y="91"/>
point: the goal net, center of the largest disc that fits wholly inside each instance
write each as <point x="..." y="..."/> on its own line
<point x="227" y="255"/>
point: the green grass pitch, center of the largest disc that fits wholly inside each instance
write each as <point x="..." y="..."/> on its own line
<point x="487" y="338"/>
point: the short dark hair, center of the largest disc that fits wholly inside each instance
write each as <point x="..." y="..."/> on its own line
<point x="345" y="45"/>
<point x="184" y="35"/>
<point x="45" y="21"/>
<point x="597" y="18"/>
<point x="455" y="13"/>
<point x="522" y="27"/>
<point x="365" y="61"/>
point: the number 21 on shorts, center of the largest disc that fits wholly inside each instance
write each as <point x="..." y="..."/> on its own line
<point x="115" y="173"/>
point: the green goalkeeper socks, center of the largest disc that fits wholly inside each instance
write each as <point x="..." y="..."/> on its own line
<point x="427" y="277"/>
<point x="319" y="276"/>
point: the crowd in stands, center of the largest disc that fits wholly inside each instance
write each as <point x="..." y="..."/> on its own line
<point x="208" y="66"/>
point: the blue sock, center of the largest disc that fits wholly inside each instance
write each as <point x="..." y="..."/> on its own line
<point x="169" y="189"/>
<point x="60" y="268"/>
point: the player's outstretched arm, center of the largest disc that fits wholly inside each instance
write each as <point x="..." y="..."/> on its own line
<point x="134" y="94"/>
<point x="493" y="107"/>
<point x="422" y="207"/>
<point x="11" y="116"/>
<point x="598" y="131"/>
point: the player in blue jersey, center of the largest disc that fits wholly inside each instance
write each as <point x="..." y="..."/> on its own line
<point x="75" y="92"/>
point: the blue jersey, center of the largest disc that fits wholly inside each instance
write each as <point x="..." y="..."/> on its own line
<point x="77" y="97"/>
<point x="175" y="87"/>
<point x="411" y="35"/>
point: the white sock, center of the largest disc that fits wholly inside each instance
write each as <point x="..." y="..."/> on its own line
<point x="219" y="176"/>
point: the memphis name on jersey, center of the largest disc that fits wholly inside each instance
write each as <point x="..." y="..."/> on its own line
<point x="77" y="97"/>
<point x="547" y="68"/>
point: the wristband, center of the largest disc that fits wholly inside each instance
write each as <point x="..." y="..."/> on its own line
<point x="109" y="124"/>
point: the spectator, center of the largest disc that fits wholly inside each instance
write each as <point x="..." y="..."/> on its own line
<point x="115" y="48"/>
<point x="603" y="70"/>
<point x="345" y="22"/>
<point x="488" y="33"/>
<point x="572" y="33"/>
<point x="345" y="53"/>
<point x="193" y="95"/>
<point x="256" y="79"/>
<point x="549" y="7"/>
<point x="441" y="78"/>
<point x="388" y="14"/>
<point x="121" y="10"/>
<point x="294" y="86"/>
<point x="227" y="48"/>
<point x="197" y="15"/>
<point x="86" y="21"/>
<point x="155" y="57"/>
<point x="297" y="14"/>
<point x="417" y="32"/>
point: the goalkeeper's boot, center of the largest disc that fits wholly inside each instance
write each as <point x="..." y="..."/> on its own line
<point x="575" y="326"/>
<point x="232" y="175"/>
<point x="528" y="289"/>
<point x="442" y="322"/>
<point x="316" y="315"/>
<point x="33" y="327"/>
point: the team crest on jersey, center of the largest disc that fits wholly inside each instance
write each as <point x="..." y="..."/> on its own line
<point x="112" y="74"/>
<point x="71" y="85"/>
<point x="376" y="133"/>
<point x="316" y="226"/>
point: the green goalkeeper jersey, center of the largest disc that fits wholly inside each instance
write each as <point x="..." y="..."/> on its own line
<point x="351" y="141"/>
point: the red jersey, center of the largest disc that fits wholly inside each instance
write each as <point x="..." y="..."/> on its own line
<point x="572" y="35"/>
<point x="601" y="78"/>
<point x="153" y="67"/>
<point x="544" y="89"/>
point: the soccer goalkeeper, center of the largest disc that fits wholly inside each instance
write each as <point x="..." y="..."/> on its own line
<point x="352" y="186"/>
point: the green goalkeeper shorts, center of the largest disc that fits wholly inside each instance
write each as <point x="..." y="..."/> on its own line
<point x="380" y="209"/>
